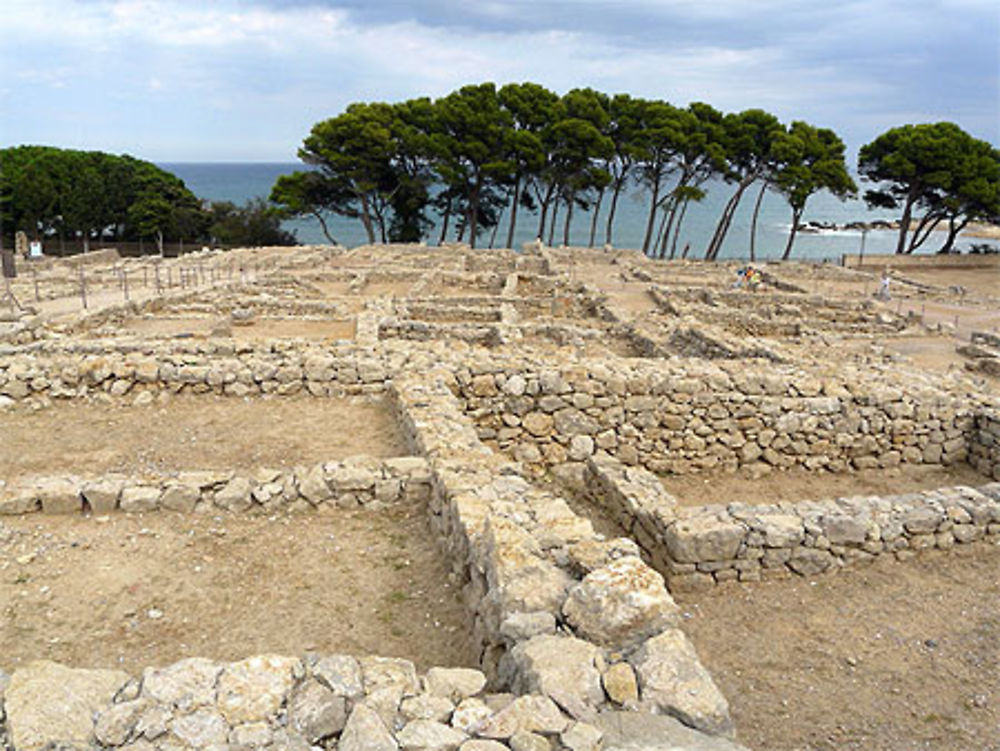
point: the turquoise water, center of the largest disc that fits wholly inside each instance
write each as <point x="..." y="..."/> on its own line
<point x="238" y="182"/>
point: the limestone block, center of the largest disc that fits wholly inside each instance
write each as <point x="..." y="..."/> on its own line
<point x="49" y="705"/>
<point x="672" y="677"/>
<point x="521" y="626"/>
<point x="312" y="485"/>
<point x="582" y="736"/>
<point x="427" y="735"/>
<point x="201" y="729"/>
<point x="537" y="423"/>
<point x="316" y="712"/>
<point x="561" y="667"/>
<point x="365" y="731"/>
<point x="620" y="604"/>
<point x="254" y="689"/>
<point x="140" y="499"/>
<point x="529" y="714"/>
<point x="703" y="538"/>
<point x="572" y="421"/>
<point x="235" y="494"/>
<point x="640" y="731"/>
<point x="454" y="684"/>
<point x="186" y="684"/>
<point x="841" y="529"/>
<point x="103" y="494"/>
<point x="779" y="530"/>
<point x="620" y="683"/>
<point x="59" y="495"/>
<point x="427" y="707"/>
<point x="116" y="722"/>
<point x="180" y="497"/>
<point x="809" y="561"/>
<point x="379" y="672"/>
<point x="470" y="715"/>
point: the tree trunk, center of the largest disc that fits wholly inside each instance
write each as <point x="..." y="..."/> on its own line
<point x="593" y="219"/>
<point x="652" y="218"/>
<point x="513" y="211"/>
<point x="493" y="232"/>
<point x="796" y="216"/>
<point x="544" y="202"/>
<point x="474" y="214"/>
<point x="953" y="230"/>
<point x="444" y="222"/>
<point x="753" y="222"/>
<point x="366" y="219"/>
<point x="569" y="219"/>
<point x="159" y="242"/>
<point x="611" y="211"/>
<point x="670" y="215"/>
<point x="677" y="229"/>
<point x="904" y="223"/>
<point x="726" y="220"/>
<point x="660" y="244"/>
<point x="552" y="223"/>
<point x="324" y="227"/>
<point x="927" y="224"/>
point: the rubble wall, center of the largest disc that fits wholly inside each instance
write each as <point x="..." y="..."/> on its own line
<point x="683" y="416"/>
<point x="702" y="546"/>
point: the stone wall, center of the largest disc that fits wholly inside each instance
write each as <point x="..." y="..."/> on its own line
<point x="984" y="446"/>
<point x="352" y="482"/>
<point x="701" y="546"/>
<point x="692" y="416"/>
<point x="557" y="608"/>
<point x="54" y="370"/>
<point x="281" y="703"/>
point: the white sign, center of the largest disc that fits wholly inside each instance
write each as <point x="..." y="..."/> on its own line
<point x="35" y="249"/>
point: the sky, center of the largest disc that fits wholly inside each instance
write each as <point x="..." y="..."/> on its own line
<point x="245" y="80"/>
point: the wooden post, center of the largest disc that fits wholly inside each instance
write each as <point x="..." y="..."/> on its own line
<point x="125" y="284"/>
<point x="156" y="274"/>
<point x="83" y="288"/>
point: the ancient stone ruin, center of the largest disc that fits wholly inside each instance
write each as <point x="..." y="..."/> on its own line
<point x="540" y="395"/>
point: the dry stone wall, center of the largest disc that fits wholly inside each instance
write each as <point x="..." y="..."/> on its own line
<point x="52" y="370"/>
<point x="280" y="703"/>
<point x="558" y="609"/>
<point x="701" y="546"/>
<point x="349" y="483"/>
<point x="689" y="416"/>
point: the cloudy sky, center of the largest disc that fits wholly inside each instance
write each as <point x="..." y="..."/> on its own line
<point x="244" y="80"/>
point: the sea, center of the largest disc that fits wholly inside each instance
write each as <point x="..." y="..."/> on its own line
<point x="239" y="182"/>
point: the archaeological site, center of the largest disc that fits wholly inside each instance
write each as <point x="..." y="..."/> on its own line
<point x="441" y="499"/>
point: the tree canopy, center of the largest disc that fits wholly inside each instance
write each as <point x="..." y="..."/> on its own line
<point x="471" y="157"/>
<point x="49" y="191"/>
<point x="933" y="172"/>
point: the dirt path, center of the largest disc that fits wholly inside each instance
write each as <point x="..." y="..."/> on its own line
<point x="802" y="485"/>
<point x="132" y="591"/>
<point x="894" y="657"/>
<point x="203" y="432"/>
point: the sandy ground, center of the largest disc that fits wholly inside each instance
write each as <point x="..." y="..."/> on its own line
<point x="132" y="591"/>
<point x="802" y="485"/>
<point x="893" y="657"/>
<point x="204" y="432"/>
<point x="261" y="328"/>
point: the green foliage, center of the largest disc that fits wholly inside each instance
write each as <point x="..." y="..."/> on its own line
<point x="807" y="159"/>
<point x="255" y="224"/>
<point x="479" y="152"/>
<point x="93" y="195"/>
<point x="934" y="168"/>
